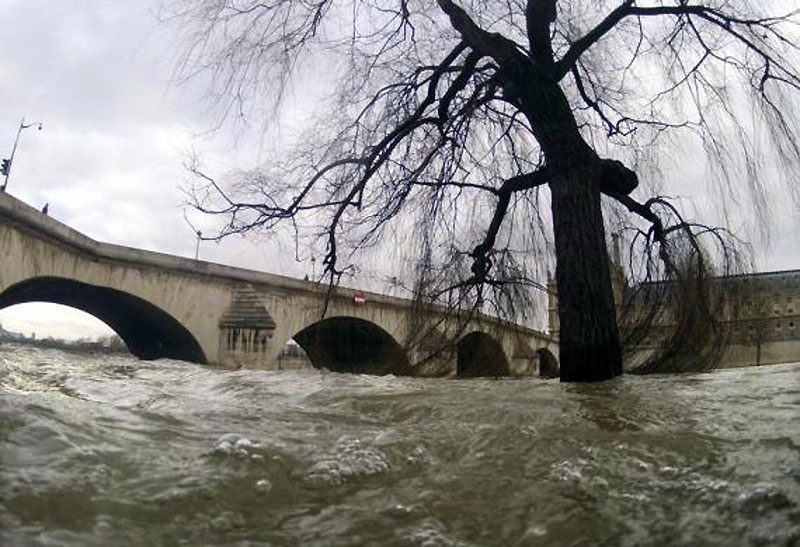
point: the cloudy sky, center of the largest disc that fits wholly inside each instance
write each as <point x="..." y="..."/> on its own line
<point x="117" y="129"/>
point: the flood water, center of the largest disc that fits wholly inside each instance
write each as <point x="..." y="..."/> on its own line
<point x="100" y="450"/>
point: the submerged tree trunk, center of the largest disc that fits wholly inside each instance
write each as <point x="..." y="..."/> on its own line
<point x="589" y="339"/>
<point x="588" y="335"/>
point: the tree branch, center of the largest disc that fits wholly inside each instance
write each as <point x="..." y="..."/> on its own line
<point x="481" y="262"/>
<point x="565" y="64"/>
<point x="490" y="44"/>
<point x="539" y="15"/>
<point x="715" y="17"/>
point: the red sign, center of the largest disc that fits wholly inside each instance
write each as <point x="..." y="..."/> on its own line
<point x="359" y="299"/>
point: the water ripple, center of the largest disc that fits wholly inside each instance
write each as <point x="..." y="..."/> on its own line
<point x="98" y="450"/>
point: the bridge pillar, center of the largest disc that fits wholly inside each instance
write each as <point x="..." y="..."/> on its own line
<point x="523" y="366"/>
<point x="246" y="332"/>
<point x="522" y="360"/>
<point x="433" y="354"/>
<point x="427" y="363"/>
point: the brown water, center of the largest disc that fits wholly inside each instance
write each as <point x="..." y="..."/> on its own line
<point x="114" y="451"/>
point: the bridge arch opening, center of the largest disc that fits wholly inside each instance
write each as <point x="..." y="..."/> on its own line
<point x="57" y="326"/>
<point x="147" y="331"/>
<point x="349" y="344"/>
<point x="481" y="355"/>
<point x="548" y="364"/>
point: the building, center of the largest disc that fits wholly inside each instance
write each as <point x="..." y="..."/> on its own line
<point x="8" y="336"/>
<point x="759" y="312"/>
<point x="764" y="318"/>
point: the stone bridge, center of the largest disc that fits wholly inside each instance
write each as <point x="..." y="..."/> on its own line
<point x="165" y="306"/>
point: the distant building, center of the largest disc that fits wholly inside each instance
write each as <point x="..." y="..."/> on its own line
<point x="8" y="336"/>
<point x="761" y="312"/>
<point x="766" y="317"/>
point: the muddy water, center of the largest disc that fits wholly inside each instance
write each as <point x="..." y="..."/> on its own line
<point x="114" y="451"/>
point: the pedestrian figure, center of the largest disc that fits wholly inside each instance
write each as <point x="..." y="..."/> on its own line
<point x="45" y="208"/>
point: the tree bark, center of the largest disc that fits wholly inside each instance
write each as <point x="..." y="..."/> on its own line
<point x="589" y="339"/>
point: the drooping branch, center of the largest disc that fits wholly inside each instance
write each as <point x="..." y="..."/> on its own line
<point x="727" y="23"/>
<point x="593" y="103"/>
<point x="480" y="254"/>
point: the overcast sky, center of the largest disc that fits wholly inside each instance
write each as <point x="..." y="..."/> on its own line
<point x="97" y="73"/>
<point x="117" y="129"/>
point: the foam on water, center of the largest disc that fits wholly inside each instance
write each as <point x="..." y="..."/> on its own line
<point x="349" y="460"/>
<point x="233" y="444"/>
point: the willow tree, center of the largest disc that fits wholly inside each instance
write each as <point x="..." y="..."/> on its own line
<point x="433" y="106"/>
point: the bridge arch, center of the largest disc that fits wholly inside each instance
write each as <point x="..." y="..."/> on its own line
<point x="548" y="364"/>
<point x="148" y="331"/>
<point x="351" y="344"/>
<point x="479" y="354"/>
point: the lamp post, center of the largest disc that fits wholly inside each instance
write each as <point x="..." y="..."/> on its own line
<point x="5" y="169"/>
<point x="197" y="232"/>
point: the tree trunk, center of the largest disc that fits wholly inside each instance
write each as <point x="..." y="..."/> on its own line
<point x="588" y="336"/>
<point x="589" y="340"/>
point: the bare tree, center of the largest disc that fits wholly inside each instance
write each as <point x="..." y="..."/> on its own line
<point x="457" y="115"/>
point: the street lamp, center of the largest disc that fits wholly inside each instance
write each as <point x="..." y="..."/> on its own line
<point x="5" y="168"/>
<point x="197" y="245"/>
<point x="197" y="232"/>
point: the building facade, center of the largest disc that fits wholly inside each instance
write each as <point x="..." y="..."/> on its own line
<point x="764" y="320"/>
<point x="761" y="313"/>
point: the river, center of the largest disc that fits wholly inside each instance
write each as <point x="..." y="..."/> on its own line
<point x="107" y="450"/>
